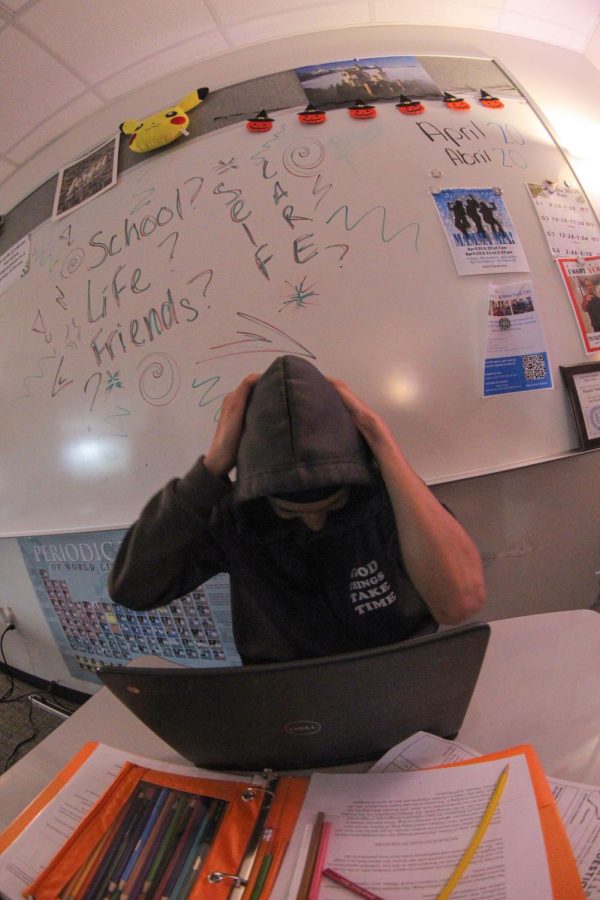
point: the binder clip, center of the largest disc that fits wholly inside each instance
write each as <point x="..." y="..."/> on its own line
<point x="362" y="110"/>
<point x="453" y="102"/>
<point x="261" y="122"/>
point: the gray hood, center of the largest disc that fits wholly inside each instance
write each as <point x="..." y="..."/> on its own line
<point x="298" y="435"/>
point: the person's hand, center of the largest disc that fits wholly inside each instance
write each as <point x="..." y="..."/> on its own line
<point x="371" y="426"/>
<point x="222" y="455"/>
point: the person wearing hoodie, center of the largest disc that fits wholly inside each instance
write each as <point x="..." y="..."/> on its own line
<point x="331" y="540"/>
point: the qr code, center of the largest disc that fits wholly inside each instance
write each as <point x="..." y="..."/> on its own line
<point x="534" y="367"/>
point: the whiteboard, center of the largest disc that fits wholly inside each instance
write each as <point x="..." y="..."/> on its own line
<point x="143" y="308"/>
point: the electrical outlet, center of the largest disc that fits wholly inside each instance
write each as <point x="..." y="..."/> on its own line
<point x="7" y="616"/>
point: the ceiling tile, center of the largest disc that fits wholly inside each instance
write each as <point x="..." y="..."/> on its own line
<point x="14" y="5"/>
<point x="232" y="12"/>
<point x="32" y="86"/>
<point x="164" y="63"/>
<point x="543" y="30"/>
<point x="578" y="14"/>
<point x="54" y="127"/>
<point x="437" y="12"/>
<point x="112" y="35"/>
<point x="299" y="21"/>
<point x="592" y="51"/>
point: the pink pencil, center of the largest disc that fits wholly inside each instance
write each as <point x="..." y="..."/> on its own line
<point x="350" y="885"/>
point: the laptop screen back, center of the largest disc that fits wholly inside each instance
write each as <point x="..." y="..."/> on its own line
<point x="308" y="713"/>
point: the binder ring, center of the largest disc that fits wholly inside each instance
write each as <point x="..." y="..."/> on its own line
<point x="216" y="877"/>
<point x="250" y="793"/>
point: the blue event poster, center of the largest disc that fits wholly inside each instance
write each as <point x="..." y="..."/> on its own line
<point x="479" y="231"/>
<point x="516" y="358"/>
<point x="69" y="573"/>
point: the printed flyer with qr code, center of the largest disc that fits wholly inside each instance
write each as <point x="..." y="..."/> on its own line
<point x="516" y="358"/>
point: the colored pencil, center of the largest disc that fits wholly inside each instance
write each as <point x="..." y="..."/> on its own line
<point x="85" y="872"/>
<point x="137" y="857"/>
<point x="195" y="834"/>
<point x="309" y="863"/>
<point x="131" y="838"/>
<point x="114" y="836"/>
<point x="262" y="876"/>
<point x="195" y="857"/>
<point x="315" y="882"/>
<point x="134" y="884"/>
<point x="167" y="846"/>
<point x="477" y="837"/>
<point x="350" y="885"/>
<point x="135" y="849"/>
<point x="187" y="824"/>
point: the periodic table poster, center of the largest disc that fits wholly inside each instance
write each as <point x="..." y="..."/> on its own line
<point x="69" y="573"/>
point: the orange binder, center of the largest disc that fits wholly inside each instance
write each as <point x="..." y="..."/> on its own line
<point x="255" y="829"/>
<point x="564" y="874"/>
<point x="275" y="827"/>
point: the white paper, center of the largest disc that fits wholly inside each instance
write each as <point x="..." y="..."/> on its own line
<point x="578" y="804"/>
<point x="401" y="834"/>
<point x="31" y="852"/>
<point x="567" y="220"/>
<point x="14" y="263"/>
<point x="579" y="807"/>
<point x="422" y="750"/>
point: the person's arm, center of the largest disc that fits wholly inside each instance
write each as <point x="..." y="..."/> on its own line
<point x="168" y="551"/>
<point x="441" y="559"/>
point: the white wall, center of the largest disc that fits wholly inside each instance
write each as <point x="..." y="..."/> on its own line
<point x="538" y="528"/>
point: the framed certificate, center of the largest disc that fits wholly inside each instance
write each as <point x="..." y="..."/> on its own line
<point x="583" y="388"/>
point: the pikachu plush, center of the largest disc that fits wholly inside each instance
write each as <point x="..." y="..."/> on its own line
<point x="164" y="126"/>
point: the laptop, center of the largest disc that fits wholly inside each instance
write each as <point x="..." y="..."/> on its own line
<point x="326" y="711"/>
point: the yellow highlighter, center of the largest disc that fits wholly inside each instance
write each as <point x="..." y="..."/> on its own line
<point x="477" y="837"/>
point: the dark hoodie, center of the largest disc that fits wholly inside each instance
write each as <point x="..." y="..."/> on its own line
<point x="295" y="593"/>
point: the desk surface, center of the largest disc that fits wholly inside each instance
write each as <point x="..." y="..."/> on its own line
<point x="538" y="684"/>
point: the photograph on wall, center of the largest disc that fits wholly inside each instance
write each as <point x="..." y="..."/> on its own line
<point x="479" y="230"/>
<point x="86" y="178"/>
<point x="582" y="281"/>
<point x="566" y="218"/>
<point x="375" y="78"/>
<point x="516" y="358"/>
<point x="69" y="574"/>
<point x="583" y="389"/>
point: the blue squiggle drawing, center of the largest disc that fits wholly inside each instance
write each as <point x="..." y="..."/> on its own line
<point x="119" y="415"/>
<point x="41" y="375"/>
<point x="374" y="209"/>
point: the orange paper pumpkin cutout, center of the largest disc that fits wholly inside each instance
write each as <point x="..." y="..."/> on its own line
<point x="490" y="101"/>
<point x="261" y="122"/>
<point x="453" y="102"/>
<point x="362" y="110"/>
<point x="409" y="107"/>
<point x="312" y="116"/>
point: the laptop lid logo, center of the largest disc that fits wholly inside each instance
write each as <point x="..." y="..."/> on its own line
<point x="304" y="727"/>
